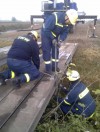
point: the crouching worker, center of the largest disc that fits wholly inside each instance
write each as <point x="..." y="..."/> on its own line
<point x="78" y="99"/>
<point x="23" y="60"/>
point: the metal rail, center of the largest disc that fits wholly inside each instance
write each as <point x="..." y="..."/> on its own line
<point x="79" y="16"/>
<point x="87" y="16"/>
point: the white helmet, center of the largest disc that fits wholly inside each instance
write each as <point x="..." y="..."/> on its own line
<point x="72" y="75"/>
<point x="36" y="35"/>
<point x="72" y="15"/>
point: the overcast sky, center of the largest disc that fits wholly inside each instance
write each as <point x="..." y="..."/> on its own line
<point x="22" y="9"/>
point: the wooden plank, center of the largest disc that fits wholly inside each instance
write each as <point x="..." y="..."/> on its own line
<point x="5" y="90"/>
<point x="10" y="103"/>
<point x="3" y="61"/>
<point x="26" y="117"/>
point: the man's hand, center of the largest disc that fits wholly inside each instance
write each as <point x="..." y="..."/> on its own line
<point x="54" y="42"/>
<point x="59" y="43"/>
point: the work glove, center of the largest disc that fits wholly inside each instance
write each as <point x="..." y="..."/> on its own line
<point x="59" y="43"/>
<point x="54" y="42"/>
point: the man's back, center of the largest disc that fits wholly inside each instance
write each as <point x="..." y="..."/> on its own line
<point x="22" y="48"/>
<point x="80" y="97"/>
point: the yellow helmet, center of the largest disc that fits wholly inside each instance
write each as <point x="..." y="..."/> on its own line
<point x="72" y="15"/>
<point x="36" y="35"/>
<point x="71" y="65"/>
<point x="72" y="75"/>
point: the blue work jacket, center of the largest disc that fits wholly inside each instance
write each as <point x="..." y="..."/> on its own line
<point x="78" y="100"/>
<point x="25" y="48"/>
<point x="55" y="26"/>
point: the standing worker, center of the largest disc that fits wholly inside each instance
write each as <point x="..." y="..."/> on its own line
<point x="78" y="99"/>
<point x="54" y="31"/>
<point x="23" y="60"/>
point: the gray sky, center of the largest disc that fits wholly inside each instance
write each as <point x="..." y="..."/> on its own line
<point x="22" y="9"/>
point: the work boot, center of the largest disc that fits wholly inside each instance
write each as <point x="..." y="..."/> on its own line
<point x="56" y="70"/>
<point x="2" y="80"/>
<point x="16" y="82"/>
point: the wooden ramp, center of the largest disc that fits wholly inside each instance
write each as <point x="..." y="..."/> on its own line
<point x="21" y="109"/>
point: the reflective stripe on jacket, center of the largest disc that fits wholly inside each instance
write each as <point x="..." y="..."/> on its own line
<point x="79" y="99"/>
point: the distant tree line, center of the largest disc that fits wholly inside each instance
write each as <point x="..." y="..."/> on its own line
<point x="14" y="19"/>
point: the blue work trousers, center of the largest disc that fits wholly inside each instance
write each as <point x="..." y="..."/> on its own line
<point x="21" y="67"/>
<point x="50" y="53"/>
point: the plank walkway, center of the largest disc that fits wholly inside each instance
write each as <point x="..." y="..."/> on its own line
<point x="21" y="109"/>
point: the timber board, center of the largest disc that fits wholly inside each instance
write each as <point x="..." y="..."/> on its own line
<point x="28" y="114"/>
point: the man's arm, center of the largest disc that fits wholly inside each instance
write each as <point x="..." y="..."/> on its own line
<point x="64" y="33"/>
<point x="35" y="55"/>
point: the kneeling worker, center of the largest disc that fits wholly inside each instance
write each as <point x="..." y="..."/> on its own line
<point x="23" y="60"/>
<point x="78" y="99"/>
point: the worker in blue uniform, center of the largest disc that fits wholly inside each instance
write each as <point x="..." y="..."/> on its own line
<point x="78" y="99"/>
<point x="23" y="60"/>
<point x="53" y="33"/>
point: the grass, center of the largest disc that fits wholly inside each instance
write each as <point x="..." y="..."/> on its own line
<point x="6" y="26"/>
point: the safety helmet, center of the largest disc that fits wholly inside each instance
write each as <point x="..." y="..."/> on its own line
<point x="71" y="65"/>
<point x="36" y="35"/>
<point x="72" y="15"/>
<point x="72" y="75"/>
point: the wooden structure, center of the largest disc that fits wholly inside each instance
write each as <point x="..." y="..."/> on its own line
<point x="21" y="109"/>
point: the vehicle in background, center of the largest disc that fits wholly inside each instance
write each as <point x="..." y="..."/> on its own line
<point x="81" y="20"/>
